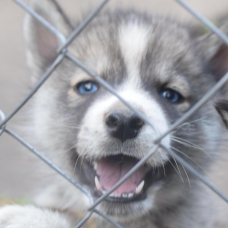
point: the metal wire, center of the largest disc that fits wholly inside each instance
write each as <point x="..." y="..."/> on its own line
<point x="124" y="178"/>
<point x="84" y="220"/>
<point x="196" y="107"/>
<point x="63" y="53"/>
<point x="111" y="90"/>
<point x="58" y="60"/>
<point x="2" y="128"/>
<point x="60" y="172"/>
<point x="66" y="19"/>
<point x="48" y="162"/>
<point x="107" y="218"/>
<point x="78" y="30"/>
<point x="194" y="172"/>
<point x="41" y="20"/>
<point x="205" y="21"/>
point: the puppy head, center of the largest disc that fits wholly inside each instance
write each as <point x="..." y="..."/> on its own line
<point x="158" y="67"/>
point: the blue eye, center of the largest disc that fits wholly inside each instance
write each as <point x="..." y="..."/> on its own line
<point x="87" y="87"/>
<point x="172" y="95"/>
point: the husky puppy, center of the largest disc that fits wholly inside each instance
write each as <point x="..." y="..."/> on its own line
<point x="160" y="66"/>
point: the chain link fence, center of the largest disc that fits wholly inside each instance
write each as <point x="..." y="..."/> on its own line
<point x="63" y="53"/>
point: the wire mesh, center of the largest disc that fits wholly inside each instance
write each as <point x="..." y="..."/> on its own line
<point x="63" y="53"/>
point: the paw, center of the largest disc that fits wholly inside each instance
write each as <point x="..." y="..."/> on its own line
<point x="15" y="216"/>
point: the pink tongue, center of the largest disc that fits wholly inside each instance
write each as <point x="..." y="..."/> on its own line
<point x="111" y="169"/>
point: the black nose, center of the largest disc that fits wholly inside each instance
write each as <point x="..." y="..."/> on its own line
<point x="122" y="127"/>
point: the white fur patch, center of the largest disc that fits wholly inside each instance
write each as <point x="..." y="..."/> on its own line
<point x="30" y="216"/>
<point x="133" y="40"/>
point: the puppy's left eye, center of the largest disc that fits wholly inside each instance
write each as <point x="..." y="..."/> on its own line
<point x="87" y="87"/>
<point x="172" y="96"/>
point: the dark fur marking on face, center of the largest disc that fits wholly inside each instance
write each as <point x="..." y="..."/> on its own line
<point x="222" y="108"/>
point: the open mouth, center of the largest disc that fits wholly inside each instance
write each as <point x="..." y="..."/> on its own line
<point x="103" y="174"/>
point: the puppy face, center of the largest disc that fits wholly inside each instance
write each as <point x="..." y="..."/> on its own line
<point x="158" y="67"/>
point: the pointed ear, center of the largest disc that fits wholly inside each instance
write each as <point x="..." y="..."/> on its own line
<point x="215" y="51"/>
<point x="222" y="108"/>
<point x="43" y="44"/>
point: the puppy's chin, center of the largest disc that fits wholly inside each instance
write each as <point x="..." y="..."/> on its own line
<point x="126" y="212"/>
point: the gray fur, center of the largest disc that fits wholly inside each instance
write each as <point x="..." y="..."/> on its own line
<point x="174" y="57"/>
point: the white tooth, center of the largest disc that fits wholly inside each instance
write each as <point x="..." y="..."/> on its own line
<point x="140" y="187"/>
<point x="124" y="195"/>
<point x="98" y="185"/>
<point x="116" y="195"/>
<point x="95" y="165"/>
<point x="129" y="195"/>
<point x="112" y="195"/>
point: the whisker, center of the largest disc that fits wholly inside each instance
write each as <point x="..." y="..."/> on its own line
<point x="187" y="177"/>
<point x="185" y="142"/>
<point x="176" y="171"/>
<point x="178" y="168"/>
<point x="163" y="165"/>
<point x="202" y="118"/>
<point x="187" y="157"/>
<point x="81" y="163"/>
<point x="188" y="143"/>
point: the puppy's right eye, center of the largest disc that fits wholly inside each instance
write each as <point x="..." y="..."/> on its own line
<point x="172" y="96"/>
<point x="86" y="87"/>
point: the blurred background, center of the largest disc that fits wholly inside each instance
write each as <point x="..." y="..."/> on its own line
<point x="18" y="175"/>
